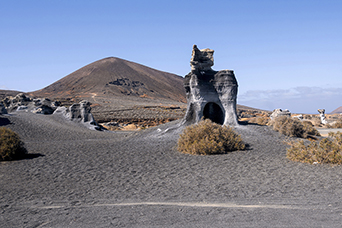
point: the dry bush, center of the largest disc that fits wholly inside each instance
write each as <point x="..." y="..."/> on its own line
<point x="328" y="150"/>
<point x="11" y="147"/>
<point x="207" y="138"/>
<point x="309" y="129"/>
<point x="293" y="127"/>
<point x="337" y="124"/>
<point x="260" y="120"/>
<point x="316" y="121"/>
<point x="288" y="126"/>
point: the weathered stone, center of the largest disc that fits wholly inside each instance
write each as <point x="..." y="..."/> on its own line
<point x="210" y="94"/>
<point x="322" y="116"/>
<point x="22" y="107"/>
<point x="2" y="109"/>
<point x="80" y="111"/>
<point x="279" y="112"/>
<point x="201" y="59"/>
<point x="21" y="98"/>
<point x="300" y="117"/>
<point x="21" y="101"/>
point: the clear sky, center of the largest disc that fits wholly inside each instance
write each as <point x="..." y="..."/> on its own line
<point x="285" y="53"/>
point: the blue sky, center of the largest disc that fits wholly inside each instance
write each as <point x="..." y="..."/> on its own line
<point x="285" y="54"/>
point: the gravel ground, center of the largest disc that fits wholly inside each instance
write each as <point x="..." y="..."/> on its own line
<point x="76" y="177"/>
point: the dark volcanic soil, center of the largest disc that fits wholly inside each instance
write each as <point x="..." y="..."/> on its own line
<point x="83" y="178"/>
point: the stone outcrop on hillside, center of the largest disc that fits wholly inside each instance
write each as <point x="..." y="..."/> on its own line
<point x="210" y="94"/>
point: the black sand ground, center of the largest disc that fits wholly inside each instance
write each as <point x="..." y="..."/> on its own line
<point x="76" y="177"/>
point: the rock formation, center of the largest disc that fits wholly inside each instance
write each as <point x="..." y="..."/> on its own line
<point x="77" y="112"/>
<point x="23" y="102"/>
<point x="322" y="116"/>
<point x="279" y="112"/>
<point x="210" y="94"/>
<point x="2" y="109"/>
<point x="80" y="113"/>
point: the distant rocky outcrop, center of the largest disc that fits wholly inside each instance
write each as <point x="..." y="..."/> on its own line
<point x="210" y="94"/>
<point x="279" y="112"/>
<point x="23" y="102"/>
<point x="322" y="116"/>
<point x="79" y="112"/>
<point x="76" y="112"/>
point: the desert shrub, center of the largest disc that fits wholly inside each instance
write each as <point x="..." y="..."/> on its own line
<point x="316" y="122"/>
<point x="260" y="120"/>
<point x="207" y="138"/>
<point x="337" y="124"/>
<point x="11" y="147"/>
<point x="328" y="150"/>
<point x="293" y="127"/>
<point x="288" y="126"/>
<point x="309" y="129"/>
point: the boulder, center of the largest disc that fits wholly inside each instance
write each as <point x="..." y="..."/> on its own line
<point x="44" y="106"/>
<point x="210" y="94"/>
<point x="2" y="109"/>
<point x="279" y="112"/>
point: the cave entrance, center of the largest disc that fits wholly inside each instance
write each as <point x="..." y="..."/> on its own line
<point x="213" y="112"/>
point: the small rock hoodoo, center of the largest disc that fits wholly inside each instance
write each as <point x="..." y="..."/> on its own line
<point x="210" y="94"/>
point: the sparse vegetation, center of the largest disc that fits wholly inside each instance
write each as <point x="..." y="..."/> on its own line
<point x="261" y="120"/>
<point x="328" y="150"/>
<point x="337" y="124"/>
<point x="207" y="138"/>
<point x="309" y="129"/>
<point x="293" y="128"/>
<point x="11" y="147"/>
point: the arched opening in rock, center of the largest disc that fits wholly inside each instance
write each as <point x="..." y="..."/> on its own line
<point x="213" y="112"/>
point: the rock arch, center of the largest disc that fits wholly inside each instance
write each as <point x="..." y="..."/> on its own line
<point x="210" y="94"/>
<point x="213" y="112"/>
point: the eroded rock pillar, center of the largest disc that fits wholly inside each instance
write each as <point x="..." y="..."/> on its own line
<point x="210" y="94"/>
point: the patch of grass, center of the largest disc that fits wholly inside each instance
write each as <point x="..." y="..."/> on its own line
<point x="328" y="150"/>
<point x="11" y="147"/>
<point x="207" y="138"/>
<point x="293" y="127"/>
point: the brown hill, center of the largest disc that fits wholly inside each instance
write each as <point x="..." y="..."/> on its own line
<point x="115" y="77"/>
<point x="336" y="111"/>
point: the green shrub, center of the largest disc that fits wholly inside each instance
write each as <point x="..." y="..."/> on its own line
<point x="11" y="147"/>
<point x="207" y="138"/>
<point x="293" y="127"/>
<point x="328" y="150"/>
